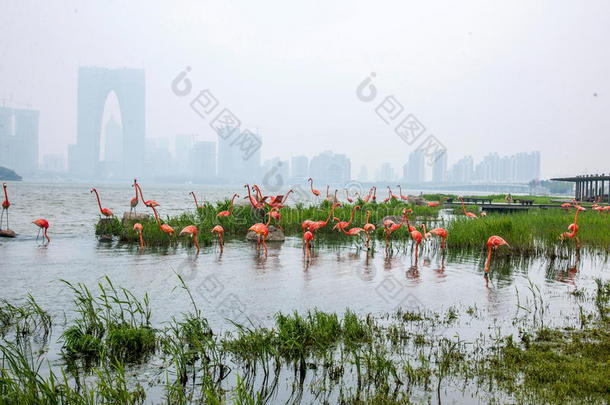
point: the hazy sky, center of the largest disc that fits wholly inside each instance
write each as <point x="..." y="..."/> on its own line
<point x="482" y="76"/>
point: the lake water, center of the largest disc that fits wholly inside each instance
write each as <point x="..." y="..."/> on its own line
<point x="239" y="283"/>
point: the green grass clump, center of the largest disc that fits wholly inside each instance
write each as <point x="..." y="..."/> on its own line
<point x="532" y="232"/>
<point x="25" y="320"/>
<point x="115" y="323"/>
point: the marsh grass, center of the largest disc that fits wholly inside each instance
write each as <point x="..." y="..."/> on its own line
<point x="115" y="323"/>
<point x="25" y="320"/>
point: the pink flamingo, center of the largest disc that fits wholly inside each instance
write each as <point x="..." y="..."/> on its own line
<point x="315" y="225"/>
<point x="105" y="211"/>
<point x="192" y="231"/>
<point x="402" y="197"/>
<point x="262" y="231"/>
<point x="44" y="225"/>
<point x="230" y="210"/>
<point x="219" y="231"/>
<point x="467" y="213"/>
<point x="194" y="198"/>
<point x="164" y="227"/>
<point x="279" y="201"/>
<point x="149" y="203"/>
<point x="347" y="197"/>
<point x="341" y="225"/>
<point x="368" y="227"/>
<point x="253" y="201"/>
<point x="442" y="233"/>
<point x="417" y="238"/>
<point x="493" y="243"/>
<point x="133" y="203"/>
<point x="313" y="190"/>
<point x="5" y="205"/>
<point x="139" y="228"/>
<point x="307" y="238"/>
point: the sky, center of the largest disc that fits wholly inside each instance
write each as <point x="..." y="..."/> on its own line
<point x="481" y="76"/>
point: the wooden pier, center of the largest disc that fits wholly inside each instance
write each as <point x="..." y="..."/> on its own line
<point x="590" y="187"/>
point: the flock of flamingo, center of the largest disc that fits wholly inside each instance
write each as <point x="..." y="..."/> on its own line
<point x="258" y="201"/>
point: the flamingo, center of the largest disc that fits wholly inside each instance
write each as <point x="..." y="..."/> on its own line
<point x="279" y="201"/>
<point x="566" y="206"/>
<point x="405" y="218"/>
<point x="368" y="227"/>
<point x="347" y="197"/>
<point x="219" y="231"/>
<point x="417" y="238"/>
<point x="194" y="198"/>
<point x="44" y="225"/>
<point x="138" y="228"/>
<point x="374" y="196"/>
<point x="391" y="196"/>
<point x="149" y="203"/>
<point x="5" y="205"/>
<point x="353" y="231"/>
<point x="253" y="201"/>
<point x="307" y="238"/>
<point x="368" y="196"/>
<point x="493" y="243"/>
<point x="192" y="231"/>
<point x="573" y="227"/>
<point x="164" y="227"/>
<point x="436" y="203"/>
<point x="390" y="227"/>
<point x="442" y="233"/>
<point x="402" y="197"/>
<point x="343" y="224"/>
<point x="105" y="211"/>
<point x="134" y="201"/>
<point x="313" y="190"/>
<point x="262" y="231"/>
<point x="230" y="210"/>
<point x="467" y="213"/>
<point x="315" y="225"/>
<point x="276" y="215"/>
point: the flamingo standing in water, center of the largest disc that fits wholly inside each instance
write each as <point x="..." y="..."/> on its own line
<point x="44" y="225"/>
<point x="104" y="211"/>
<point x="192" y="231"/>
<point x="164" y="227"/>
<point x="341" y="225"/>
<point x="262" y="231"/>
<point x="313" y="190"/>
<point x="493" y="243"/>
<point x="230" y="210"/>
<point x="219" y="231"/>
<point x="442" y="233"/>
<point x="402" y="197"/>
<point x="148" y="203"/>
<point x="195" y="198"/>
<point x="347" y="197"/>
<point x="139" y="228"/>
<point x="133" y="203"/>
<point x="368" y="228"/>
<point x="417" y="238"/>
<point x="307" y="238"/>
<point x="467" y="213"/>
<point x="5" y="205"/>
<point x="390" y="227"/>
<point x="573" y="228"/>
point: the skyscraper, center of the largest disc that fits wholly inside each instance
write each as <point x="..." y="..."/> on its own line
<point x="19" y="139"/>
<point x="299" y="168"/>
<point x="386" y="172"/>
<point x="202" y="162"/>
<point x="414" y="170"/>
<point x="183" y="143"/>
<point x="330" y="168"/>
<point x="439" y="170"/>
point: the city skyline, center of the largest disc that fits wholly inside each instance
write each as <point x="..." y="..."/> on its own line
<point x="299" y="88"/>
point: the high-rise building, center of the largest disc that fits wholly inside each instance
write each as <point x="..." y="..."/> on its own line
<point x="299" y="168"/>
<point x="239" y="159"/>
<point x="439" y="169"/>
<point x="386" y="172"/>
<point x="414" y="170"/>
<point x="330" y="168"/>
<point x="54" y="162"/>
<point x="462" y="170"/>
<point x="363" y="174"/>
<point x="276" y="173"/>
<point x="19" y="139"/>
<point x="202" y="162"/>
<point x="183" y="143"/>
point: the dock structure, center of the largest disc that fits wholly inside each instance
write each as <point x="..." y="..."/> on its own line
<point x="590" y="187"/>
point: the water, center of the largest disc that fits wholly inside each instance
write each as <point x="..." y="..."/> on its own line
<point x="240" y="284"/>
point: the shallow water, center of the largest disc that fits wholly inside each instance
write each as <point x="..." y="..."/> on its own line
<point x="239" y="284"/>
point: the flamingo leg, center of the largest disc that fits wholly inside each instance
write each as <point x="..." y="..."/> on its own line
<point x="7" y="225"/>
<point x="265" y="244"/>
<point x="1" y="215"/>
<point x="38" y="234"/>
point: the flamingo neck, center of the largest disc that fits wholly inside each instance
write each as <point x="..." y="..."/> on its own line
<point x="156" y="216"/>
<point x="195" y="198"/>
<point x="5" y="192"/>
<point x="424" y="228"/>
<point x="488" y="261"/>
<point x="327" y="191"/>
<point x="141" y="239"/>
<point x="351" y="218"/>
<point x="287" y="194"/>
<point x="99" y="203"/>
<point x="231" y="204"/>
<point x="46" y="235"/>
<point x="368" y="217"/>
<point x="140" y="190"/>
<point x="330" y="213"/>
<point x="136" y="189"/>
